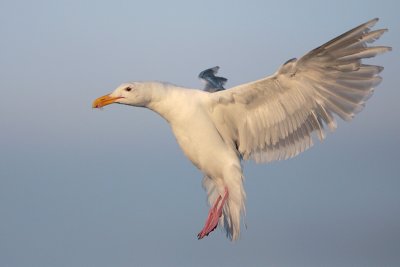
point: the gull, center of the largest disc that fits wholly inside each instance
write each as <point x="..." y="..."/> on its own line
<point x="273" y="118"/>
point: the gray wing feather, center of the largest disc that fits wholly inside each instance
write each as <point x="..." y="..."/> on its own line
<point x="274" y="118"/>
<point x="213" y="83"/>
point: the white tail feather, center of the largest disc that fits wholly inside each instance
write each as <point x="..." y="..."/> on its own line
<point x="234" y="208"/>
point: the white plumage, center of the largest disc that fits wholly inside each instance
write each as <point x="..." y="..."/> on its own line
<point x="269" y="119"/>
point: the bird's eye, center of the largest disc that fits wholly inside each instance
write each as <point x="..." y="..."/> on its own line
<point x="128" y="89"/>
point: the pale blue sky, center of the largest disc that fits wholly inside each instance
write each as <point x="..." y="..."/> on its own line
<point x="83" y="187"/>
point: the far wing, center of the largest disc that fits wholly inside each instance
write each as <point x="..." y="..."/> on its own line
<point x="212" y="83"/>
<point x="274" y="118"/>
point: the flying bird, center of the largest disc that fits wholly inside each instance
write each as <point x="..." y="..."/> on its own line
<point x="273" y="118"/>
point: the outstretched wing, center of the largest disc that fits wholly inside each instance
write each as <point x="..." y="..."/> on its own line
<point x="274" y="118"/>
<point x="213" y="83"/>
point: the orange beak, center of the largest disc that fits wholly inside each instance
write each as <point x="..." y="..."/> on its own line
<point x="104" y="101"/>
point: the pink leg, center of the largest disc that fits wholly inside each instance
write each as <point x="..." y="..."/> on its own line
<point x="213" y="216"/>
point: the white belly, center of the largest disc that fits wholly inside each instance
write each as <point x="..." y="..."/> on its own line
<point x="202" y="144"/>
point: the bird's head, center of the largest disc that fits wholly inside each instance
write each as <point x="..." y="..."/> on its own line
<point x="134" y="94"/>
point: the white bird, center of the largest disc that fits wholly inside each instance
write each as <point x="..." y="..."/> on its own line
<point x="273" y="118"/>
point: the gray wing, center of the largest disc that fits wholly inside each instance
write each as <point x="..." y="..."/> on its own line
<point x="213" y="83"/>
<point x="274" y="118"/>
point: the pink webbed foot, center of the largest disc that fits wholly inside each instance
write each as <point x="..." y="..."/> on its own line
<point x="213" y="216"/>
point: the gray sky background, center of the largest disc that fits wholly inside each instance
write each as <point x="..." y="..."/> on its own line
<point x="83" y="187"/>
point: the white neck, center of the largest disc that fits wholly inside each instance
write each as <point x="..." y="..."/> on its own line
<point x="169" y="101"/>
